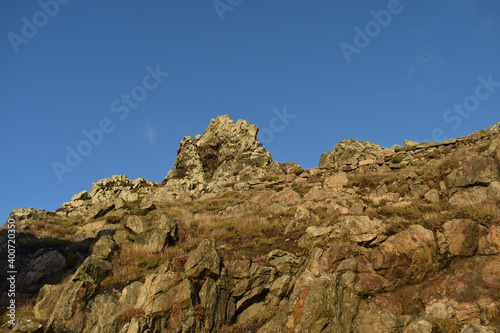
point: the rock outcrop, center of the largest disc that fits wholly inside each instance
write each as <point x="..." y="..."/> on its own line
<point x="405" y="239"/>
<point x="225" y="152"/>
<point x="351" y="151"/>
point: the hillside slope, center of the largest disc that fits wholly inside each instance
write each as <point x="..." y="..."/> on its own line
<point x="405" y="239"/>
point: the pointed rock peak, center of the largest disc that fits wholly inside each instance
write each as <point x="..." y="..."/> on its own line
<point x="223" y="128"/>
<point x="224" y="149"/>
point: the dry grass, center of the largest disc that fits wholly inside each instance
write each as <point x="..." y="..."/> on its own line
<point x="253" y="325"/>
<point x="245" y="231"/>
<point x="130" y="313"/>
<point x="486" y="213"/>
<point x="63" y="228"/>
<point x="24" y="309"/>
<point x="446" y="325"/>
<point x="133" y="264"/>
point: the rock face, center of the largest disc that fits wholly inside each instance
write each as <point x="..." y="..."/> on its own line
<point x="375" y="240"/>
<point x="346" y="151"/>
<point x="216" y="158"/>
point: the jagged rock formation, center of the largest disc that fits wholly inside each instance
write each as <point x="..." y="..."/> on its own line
<point x="226" y="153"/>
<point x="373" y="240"/>
<point x="349" y="152"/>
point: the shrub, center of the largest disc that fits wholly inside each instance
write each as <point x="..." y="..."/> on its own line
<point x="298" y="171"/>
<point x="130" y="313"/>
<point x="199" y="312"/>
<point x="208" y="177"/>
<point x="397" y="159"/>
<point x="113" y="219"/>
<point x="446" y="325"/>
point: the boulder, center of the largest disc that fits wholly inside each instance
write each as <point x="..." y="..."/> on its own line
<point x="418" y="326"/>
<point x="318" y="304"/>
<point x="104" y="247"/>
<point x="83" y="195"/>
<point x="302" y="214"/>
<point x="460" y="237"/>
<point x="476" y="328"/>
<point x="432" y="196"/>
<point x="204" y="261"/>
<point x="490" y="243"/>
<point x="93" y="270"/>
<point x="283" y="261"/>
<point x="475" y="170"/>
<point x="352" y="149"/>
<point x="410" y="255"/>
<point x="469" y="196"/>
<point x="359" y="228"/>
<point x="337" y="180"/>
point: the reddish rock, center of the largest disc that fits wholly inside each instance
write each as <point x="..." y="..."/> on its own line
<point x="460" y="237"/>
<point x="408" y="256"/>
<point x="490" y="243"/>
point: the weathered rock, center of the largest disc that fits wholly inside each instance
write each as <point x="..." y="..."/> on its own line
<point x="493" y="191"/>
<point x="21" y="214"/>
<point x="100" y="209"/>
<point x="409" y="143"/>
<point x="93" y="270"/>
<point x="288" y="196"/>
<point x="118" y="203"/>
<point x="432" y="196"/>
<point x="26" y="325"/>
<point x="406" y="256"/>
<point x="225" y="149"/>
<point x="302" y="214"/>
<point x="170" y="298"/>
<point x="156" y="229"/>
<point x="318" y="304"/>
<point x="104" y="247"/>
<point x="204" y="261"/>
<point x="314" y="235"/>
<point x="188" y="163"/>
<point x="359" y="228"/>
<point x="349" y="149"/>
<point x="337" y="180"/>
<point x="283" y="261"/>
<point x="83" y="195"/>
<point x="476" y="328"/>
<point x="93" y="229"/>
<point x="490" y="243"/>
<point x="469" y="196"/>
<point x="48" y="263"/>
<point x="460" y="237"/>
<point x="418" y="326"/>
<point x="476" y="170"/>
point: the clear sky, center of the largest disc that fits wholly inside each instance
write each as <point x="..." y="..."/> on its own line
<point x="89" y="89"/>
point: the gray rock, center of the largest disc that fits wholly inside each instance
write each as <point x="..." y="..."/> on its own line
<point x="104" y="247"/>
<point x="48" y="263"/>
<point x="350" y="149"/>
<point x="302" y="214"/>
<point x="418" y="326"/>
<point x="93" y="270"/>
<point x="475" y="170"/>
<point x="204" y="261"/>
<point x="118" y="203"/>
<point x="476" y="328"/>
<point x="432" y="196"/>
<point x="83" y="195"/>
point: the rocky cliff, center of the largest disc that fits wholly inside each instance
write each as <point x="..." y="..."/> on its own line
<point x="405" y="239"/>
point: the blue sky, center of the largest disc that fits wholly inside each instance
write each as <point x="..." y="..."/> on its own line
<point x="380" y="71"/>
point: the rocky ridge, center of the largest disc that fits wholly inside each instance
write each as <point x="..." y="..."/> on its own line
<point x="405" y="239"/>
